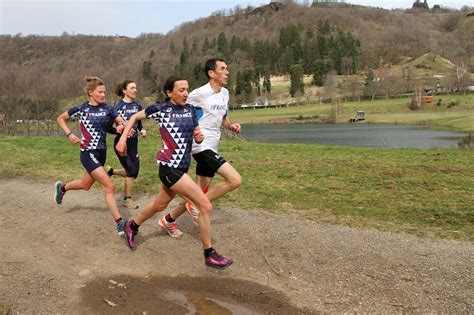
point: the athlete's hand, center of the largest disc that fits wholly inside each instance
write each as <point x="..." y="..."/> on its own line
<point x="121" y="148"/>
<point x="198" y="136"/>
<point x="143" y="133"/>
<point x="235" y="127"/>
<point x="119" y="128"/>
<point x="131" y="133"/>
<point x="74" y="139"/>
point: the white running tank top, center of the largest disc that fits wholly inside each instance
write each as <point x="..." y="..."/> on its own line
<point x="214" y="108"/>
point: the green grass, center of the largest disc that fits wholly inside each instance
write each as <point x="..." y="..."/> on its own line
<point x="426" y="192"/>
<point x="459" y="117"/>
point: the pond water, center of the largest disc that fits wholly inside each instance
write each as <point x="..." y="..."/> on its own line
<point x="357" y="135"/>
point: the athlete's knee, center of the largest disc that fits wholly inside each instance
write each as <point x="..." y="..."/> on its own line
<point x="235" y="181"/>
<point x="109" y="188"/>
<point x="205" y="207"/>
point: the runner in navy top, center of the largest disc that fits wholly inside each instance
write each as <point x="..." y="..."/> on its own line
<point x="178" y="126"/>
<point x="126" y="107"/>
<point x="93" y="117"/>
<point x="212" y="99"/>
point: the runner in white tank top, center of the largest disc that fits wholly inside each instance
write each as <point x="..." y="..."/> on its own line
<point x="212" y="108"/>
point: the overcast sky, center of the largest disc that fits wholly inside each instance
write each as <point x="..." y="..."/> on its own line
<point x="131" y="18"/>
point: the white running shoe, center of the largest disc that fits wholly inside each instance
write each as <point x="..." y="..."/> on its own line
<point x="171" y="228"/>
<point x="193" y="212"/>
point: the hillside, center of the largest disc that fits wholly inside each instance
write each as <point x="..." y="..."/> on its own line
<point x="43" y="67"/>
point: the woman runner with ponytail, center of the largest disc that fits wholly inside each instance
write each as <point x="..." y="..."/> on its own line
<point x="93" y="117"/>
<point x="126" y="107"/>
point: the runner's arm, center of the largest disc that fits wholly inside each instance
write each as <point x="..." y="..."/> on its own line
<point x="62" y="119"/>
<point x="122" y="144"/>
<point x="226" y="123"/>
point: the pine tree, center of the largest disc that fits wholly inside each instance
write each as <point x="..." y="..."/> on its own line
<point x="222" y="46"/>
<point x="369" y="83"/>
<point x="296" y="77"/>
<point x="267" y="84"/>
<point x="151" y="55"/>
<point x="258" y="73"/>
<point x="324" y="28"/>
<point x="146" y="69"/>
<point x="205" y="45"/>
<point x="184" y="58"/>
<point x="243" y="85"/>
<point x="320" y="71"/>
<point x="194" y="47"/>
<point x="310" y="54"/>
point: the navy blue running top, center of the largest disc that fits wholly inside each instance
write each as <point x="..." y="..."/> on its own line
<point x="93" y="121"/>
<point x="176" y="125"/>
<point x="126" y="110"/>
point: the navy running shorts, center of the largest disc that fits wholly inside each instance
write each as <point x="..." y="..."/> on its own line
<point x="131" y="161"/>
<point x="170" y="175"/>
<point x="93" y="159"/>
<point x="208" y="162"/>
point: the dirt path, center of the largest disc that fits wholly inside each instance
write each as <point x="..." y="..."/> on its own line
<point x="68" y="259"/>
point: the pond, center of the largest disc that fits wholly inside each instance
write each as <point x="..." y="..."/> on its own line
<point x="357" y="135"/>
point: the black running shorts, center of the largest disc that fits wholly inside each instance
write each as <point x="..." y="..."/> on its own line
<point x="170" y="176"/>
<point x="208" y="162"/>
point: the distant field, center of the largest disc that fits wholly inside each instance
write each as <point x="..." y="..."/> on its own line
<point x="459" y="116"/>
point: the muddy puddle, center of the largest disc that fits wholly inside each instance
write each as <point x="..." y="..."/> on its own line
<point x="123" y="294"/>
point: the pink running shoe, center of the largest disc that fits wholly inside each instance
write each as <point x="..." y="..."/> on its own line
<point x="130" y="235"/>
<point x="215" y="260"/>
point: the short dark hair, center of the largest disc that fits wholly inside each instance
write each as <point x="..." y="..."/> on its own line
<point x="122" y="86"/>
<point x="169" y="85"/>
<point x="211" y="64"/>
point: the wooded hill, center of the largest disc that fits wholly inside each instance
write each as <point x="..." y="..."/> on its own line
<point x="276" y="39"/>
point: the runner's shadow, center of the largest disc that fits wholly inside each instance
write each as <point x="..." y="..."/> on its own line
<point x="85" y="208"/>
<point x="142" y="238"/>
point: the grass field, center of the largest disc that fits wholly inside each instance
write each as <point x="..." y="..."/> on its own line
<point x="425" y="192"/>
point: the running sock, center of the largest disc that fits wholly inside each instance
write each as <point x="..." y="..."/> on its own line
<point x="110" y="171"/>
<point x="125" y="198"/>
<point x="208" y="251"/>
<point x="63" y="188"/>
<point x="168" y="218"/>
<point x="118" y="220"/>
<point x="134" y="226"/>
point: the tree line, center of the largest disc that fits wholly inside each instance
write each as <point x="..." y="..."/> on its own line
<point x="295" y="41"/>
<point x="298" y="51"/>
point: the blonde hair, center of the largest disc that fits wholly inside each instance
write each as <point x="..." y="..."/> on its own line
<point x="92" y="83"/>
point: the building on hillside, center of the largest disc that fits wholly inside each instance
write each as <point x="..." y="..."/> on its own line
<point x="419" y="5"/>
<point x="261" y="101"/>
